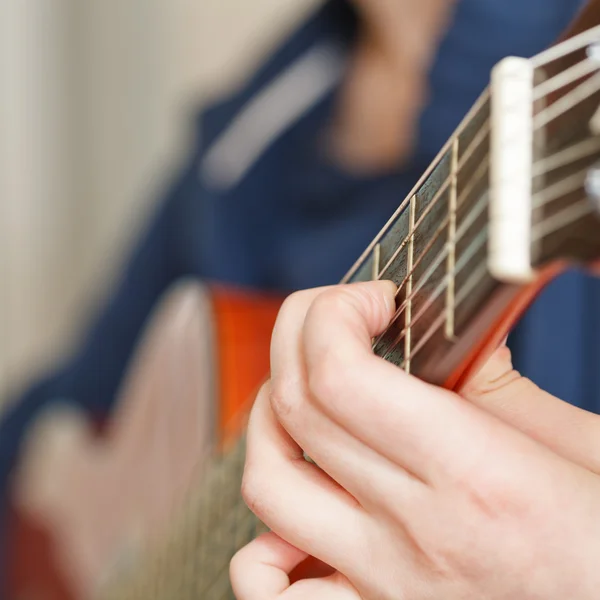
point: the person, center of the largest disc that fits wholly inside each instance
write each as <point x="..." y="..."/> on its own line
<point x="294" y="173"/>
<point x="420" y="493"/>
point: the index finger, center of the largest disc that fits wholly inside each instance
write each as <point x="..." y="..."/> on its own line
<point x="418" y="426"/>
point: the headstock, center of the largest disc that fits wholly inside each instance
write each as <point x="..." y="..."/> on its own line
<point x="545" y="167"/>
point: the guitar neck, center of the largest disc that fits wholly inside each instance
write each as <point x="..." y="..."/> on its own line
<point x="435" y="249"/>
<point x="504" y="208"/>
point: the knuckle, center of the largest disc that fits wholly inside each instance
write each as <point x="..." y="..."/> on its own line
<point x="328" y="379"/>
<point x="291" y="306"/>
<point x="253" y="491"/>
<point x="331" y="303"/>
<point x="354" y="300"/>
<point x="493" y="494"/>
<point x="283" y="398"/>
<point x="495" y="376"/>
<point x="237" y="569"/>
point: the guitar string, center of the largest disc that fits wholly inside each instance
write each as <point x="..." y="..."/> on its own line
<point x="574" y="73"/>
<point x="576" y="211"/>
<point x="552" y="84"/>
<point x="441" y="255"/>
<point x="470" y="150"/>
<point x="566" y="47"/>
<point x="546" y="227"/>
<point x="563" y="157"/>
<point x="543" y="166"/>
<point x="438" y="260"/>
<point x="559" y="189"/>
<point x="582" y="92"/>
<point x="464" y="124"/>
<point x="472" y="250"/>
<point x="550" y="165"/>
<point x="475" y="178"/>
<point x="474" y="280"/>
<point x="567" y="216"/>
<point x="577" y="71"/>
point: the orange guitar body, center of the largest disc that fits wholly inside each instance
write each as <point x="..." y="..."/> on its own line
<point x="242" y="324"/>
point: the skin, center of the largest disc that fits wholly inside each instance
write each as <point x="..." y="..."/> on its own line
<point x="420" y="493"/>
<point x="386" y="86"/>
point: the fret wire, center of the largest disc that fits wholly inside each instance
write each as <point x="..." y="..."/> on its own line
<point x="472" y="249"/>
<point x="423" y="254"/>
<point x="450" y="263"/>
<point x="473" y="145"/>
<point x="475" y="178"/>
<point x="408" y="312"/>
<point x="471" y="283"/>
<point x="576" y="211"/>
<point x="539" y="171"/>
<point x="482" y="99"/>
<point x="430" y="271"/>
<point x="376" y="274"/>
<point x="473" y="215"/>
<point x="480" y="102"/>
<point x="550" y="165"/>
<point x="409" y="237"/>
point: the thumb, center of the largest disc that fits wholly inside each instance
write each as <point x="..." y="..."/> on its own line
<point x="261" y="571"/>
<point x="567" y="430"/>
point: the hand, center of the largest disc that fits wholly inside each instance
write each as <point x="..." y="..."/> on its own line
<point x="421" y="493"/>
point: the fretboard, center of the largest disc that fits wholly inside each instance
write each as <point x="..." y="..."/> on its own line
<point x="522" y="181"/>
<point x="435" y="247"/>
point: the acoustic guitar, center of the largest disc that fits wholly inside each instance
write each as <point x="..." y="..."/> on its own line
<point x="510" y="202"/>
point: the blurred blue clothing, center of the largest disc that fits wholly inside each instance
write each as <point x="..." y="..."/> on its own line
<point x="259" y="205"/>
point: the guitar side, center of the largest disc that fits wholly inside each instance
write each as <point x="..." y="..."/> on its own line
<point x="84" y="503"/>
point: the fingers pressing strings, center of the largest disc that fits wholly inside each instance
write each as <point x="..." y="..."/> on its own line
<point x="417" y="426"/>
<point x="346" y="459"/>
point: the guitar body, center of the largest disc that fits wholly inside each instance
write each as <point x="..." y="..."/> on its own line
<point x="83" y="501"/>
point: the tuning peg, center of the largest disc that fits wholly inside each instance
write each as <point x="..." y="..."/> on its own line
<point x="593" y="54"/>
<point x="592" y="185"/>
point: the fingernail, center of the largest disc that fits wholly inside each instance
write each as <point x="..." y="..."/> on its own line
<point x="390" y="296"/>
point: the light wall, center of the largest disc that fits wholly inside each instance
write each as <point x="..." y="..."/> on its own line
<point x="94" y="98"/>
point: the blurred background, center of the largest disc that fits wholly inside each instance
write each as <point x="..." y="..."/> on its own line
<point x="94" y="116"/>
